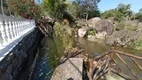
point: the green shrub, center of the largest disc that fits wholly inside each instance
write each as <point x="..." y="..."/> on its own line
<point x="64" y="33"/>
<point x="129" y="27"/>
<point x="135" y="45"/>
<point x="91" y="32"/>
<point x="138" y="45"/>
<point x="123" y="25"/>
<point x="120" y="26"/>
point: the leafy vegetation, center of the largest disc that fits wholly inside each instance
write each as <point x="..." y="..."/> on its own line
<point x="55" y="51"/>
<point x="58" y="9"/>
<point x="138" y="15"/>
<point x="91" y="32"/>
<point x="24" y="8"/>
<point x="123" y="25"/>
<point x="119" y="13"/>
<point x="64" y="33"/>
<point x="53" y="8"/>
<point x="88" y="8"/>
<point x="122" y="12"/>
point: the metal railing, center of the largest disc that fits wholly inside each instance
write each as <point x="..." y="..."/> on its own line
<point x="12" y="30"/>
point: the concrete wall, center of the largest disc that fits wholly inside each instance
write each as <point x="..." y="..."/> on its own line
<point x="17" y="63"/>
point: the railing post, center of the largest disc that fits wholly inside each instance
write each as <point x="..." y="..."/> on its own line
<point x="22" y="25"/>
<point x="1" y="38"/>
<point x="10" y="29"/>
<point x="13" y="27"/>
<point x="19" y="22"/>
<point x="7" y="29"/>
<point x="16" y="27"/>
<point x="2" y="31"/>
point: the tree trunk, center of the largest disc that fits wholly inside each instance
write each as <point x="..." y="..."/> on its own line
<point x="86" y="16"/>
<point x="2" y="7"/>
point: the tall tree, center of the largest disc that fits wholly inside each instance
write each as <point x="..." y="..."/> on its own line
<point x="138" y="15"/>
<point x="124" y="9"/>
<point x="88" y="6"/>
<point x="24" y="8"/>
<point x="2" y="7"/>
<point x="53" y="8"/>
<point x="120" y="12"/>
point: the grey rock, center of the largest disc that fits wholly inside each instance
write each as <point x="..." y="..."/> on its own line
<point x="69" y="70"/>
<point x="14" y="62"/>
<point x="140" y="24"/>
<point x="82" y="32"/>
<point x="101" y="35"/>
<point x="111" y="20"/>
<point x="9" y="69"/>
<point x="7" y="76"/>
<point x="91" y="38"/>
<point x="92" y="22"/>
<point x="133" y="23"/>
<point x="1" y="75"/>
<point x="104" y="25"/>
<point x="15" y="72"/>
<point x="121" y="38"/>
<point x="139" y="29"/>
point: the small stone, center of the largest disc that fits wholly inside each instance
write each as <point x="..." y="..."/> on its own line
<point x="9" y="69"/>
<point x="1" y="75"/>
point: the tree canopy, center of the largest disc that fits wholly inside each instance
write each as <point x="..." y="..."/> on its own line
<point x="89" y="7"/>
<point x="120" y="12"/>
<point x="53" y="8"/>
<point x="24" y="8"/>
<point x="138" y="15"/>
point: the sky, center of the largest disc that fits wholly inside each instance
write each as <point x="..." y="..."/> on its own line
<point x="111" y="4"/>
<point x="38" y="1"/>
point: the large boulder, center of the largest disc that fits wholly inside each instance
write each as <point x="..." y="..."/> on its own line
<point x="121" y="38"/>
<point x="133" y="23"/>
<point x="101" y="35"/>
<point x="91" y="38"/>
<point x="140" y="24"/>
<point x="104" y="26"/>
<point x="111" y="20"/>
<point x="139" y="29"/>
<point x="72" y="69"/>
<point x="82" y="32"/>
<point x="92" y="22"/>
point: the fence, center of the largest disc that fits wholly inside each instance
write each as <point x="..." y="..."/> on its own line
<point x="12" y="30"/>
<point x="111" y="64"/>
